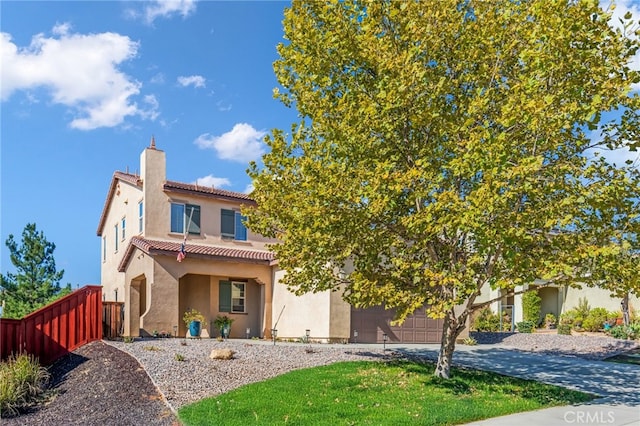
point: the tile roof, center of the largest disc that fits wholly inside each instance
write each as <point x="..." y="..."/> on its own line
<point x="170" y="186"/>
<point x="207" y="191"/>
<point x="125" y="177"/>
<point x="153" y="247"/>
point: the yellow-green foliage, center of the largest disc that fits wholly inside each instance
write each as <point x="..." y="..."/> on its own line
<point x="22" y="380"/>
<point x="442" y="145"/>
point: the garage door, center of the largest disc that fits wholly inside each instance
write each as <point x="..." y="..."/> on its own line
<point x="372" y="323"/>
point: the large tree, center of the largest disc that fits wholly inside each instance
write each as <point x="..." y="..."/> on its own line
<point x="36" y="281"/>
<point x="444" y="146"/>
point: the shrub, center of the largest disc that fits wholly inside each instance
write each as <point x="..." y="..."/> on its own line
<point x="22" y="381"/>
<point x="470" y="341"/>
<point x="531" y="304"/>
<point x="564" y="328"/>
<point x="526" y="326"/>
<point x="583" y="307"/>
<point x="550" y="320"/>
<point x="486" y="321"/>
<point x="595" y="320"/>
<point x="573" y="318"/>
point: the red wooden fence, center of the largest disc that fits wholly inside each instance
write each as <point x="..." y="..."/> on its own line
<point x="56" y="329"/>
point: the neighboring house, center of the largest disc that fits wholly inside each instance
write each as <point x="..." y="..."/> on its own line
<point x="556" y="300"/>
<point x="227" y="269"/>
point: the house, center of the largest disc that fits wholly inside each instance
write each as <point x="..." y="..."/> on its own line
<point x="556" y="299"/>
<point x="226" y="270"/>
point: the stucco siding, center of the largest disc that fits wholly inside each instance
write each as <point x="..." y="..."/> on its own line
<point x="598" y="298"/>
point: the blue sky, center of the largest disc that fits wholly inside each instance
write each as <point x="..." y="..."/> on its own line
<point x="86" y="84"/>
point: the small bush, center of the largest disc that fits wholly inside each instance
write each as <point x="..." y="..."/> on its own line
<point x="470" y="341"/>
<point x="179" y="357"/>
<point x="595" y="319"/>
<point x="550" y="320"/>
<point x="583" y="307"/>
<point x="531" y="305"/>
<point x="564" y="328"/>
<point x="526" y="326"/>
<point x="22" y="381"/>
<point x="128" y="339"/>
<point x="621" y="332"/>
<point x="487" y="321"/>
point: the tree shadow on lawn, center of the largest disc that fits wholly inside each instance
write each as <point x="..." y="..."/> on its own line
<point x="617" y="383"/>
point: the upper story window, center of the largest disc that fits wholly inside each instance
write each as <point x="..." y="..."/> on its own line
<point x="140" y="212"/>
<point x="104" y="248"/>
<point x="115" y="233"/>
<point x="123" y="225"/>
<point x="233" y="225"/>
<point x="185" y="216"/>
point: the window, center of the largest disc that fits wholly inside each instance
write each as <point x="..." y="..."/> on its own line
<point x="232" y="225"/>
<point x="183" y="216"/>
<point x="232" y="297"/>
<point x="140" y="211"/>
<point x="123" y="225"/>
<point x="104" y="248"/>
<point x="115" y="233"/>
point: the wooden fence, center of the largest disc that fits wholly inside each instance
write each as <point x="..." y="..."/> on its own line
<point x="56" y="329"/>
<point x="112" y="319"/>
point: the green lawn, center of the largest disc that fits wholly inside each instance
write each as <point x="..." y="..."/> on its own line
<point x="375" y="393"/>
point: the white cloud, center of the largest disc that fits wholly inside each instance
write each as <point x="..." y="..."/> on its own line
<point x="167" y="8"/>
<point x="157" y="78"/>
<point x="213" y="181"/>
<point x="249" y="189"/>
<point x="223" y="107"/>
<point x="194" y="80"/>
<point x="79" y="71"/>
<point x="242" y="144"/>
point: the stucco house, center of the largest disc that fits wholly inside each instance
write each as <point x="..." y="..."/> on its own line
<point x="226" y="270"/>
<point x="556" y="299"/>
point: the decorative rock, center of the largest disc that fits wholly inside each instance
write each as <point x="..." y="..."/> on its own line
<point x="222" y="354"/>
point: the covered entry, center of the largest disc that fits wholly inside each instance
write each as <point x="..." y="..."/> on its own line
<point x="372" y="323"/>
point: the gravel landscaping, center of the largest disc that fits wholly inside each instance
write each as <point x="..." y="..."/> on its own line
<point x="140" y="383"/>
<point x="594" y="346"/>
<point x="198" y="376"/>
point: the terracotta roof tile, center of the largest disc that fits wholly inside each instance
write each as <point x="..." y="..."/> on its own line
<point x="207" y="190"/>
<point x="152" y="247"/>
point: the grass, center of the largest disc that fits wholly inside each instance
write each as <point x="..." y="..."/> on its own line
<point x="22" y="383"/>
<point x="374" y="393"/>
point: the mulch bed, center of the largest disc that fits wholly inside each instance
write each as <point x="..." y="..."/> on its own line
<point x="98" y="385"/>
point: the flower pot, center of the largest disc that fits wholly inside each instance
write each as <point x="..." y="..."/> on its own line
<point x="225" y="330"/>
<point x="195" y="327"/>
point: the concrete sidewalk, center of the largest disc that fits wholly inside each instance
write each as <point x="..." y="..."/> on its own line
<point x="618" y="385"/>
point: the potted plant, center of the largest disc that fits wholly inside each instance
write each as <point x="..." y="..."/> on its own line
<point x="550" y="321"/>
<point x="223" y="323"/>
<point x="193" y="319"/>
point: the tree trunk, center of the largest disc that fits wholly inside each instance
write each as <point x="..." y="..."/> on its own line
<point x="624" y="307"/>
<point x="451" y="330"/>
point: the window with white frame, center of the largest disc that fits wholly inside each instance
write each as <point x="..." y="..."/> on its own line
<point x="104" y="248"/>
<point x="115" y="233"/>
<point x="232" y="297"/>
<point x="185" y="216"/>
<point x="140" y="217"/>
<point x="123" y="226"/>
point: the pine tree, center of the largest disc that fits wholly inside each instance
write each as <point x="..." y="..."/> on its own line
<point x="36" y="281"/>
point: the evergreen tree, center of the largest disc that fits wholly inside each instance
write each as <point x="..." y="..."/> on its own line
<point x="36" y="281"/>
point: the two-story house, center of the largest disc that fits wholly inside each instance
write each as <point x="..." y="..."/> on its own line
<point x="226" y="270"/>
